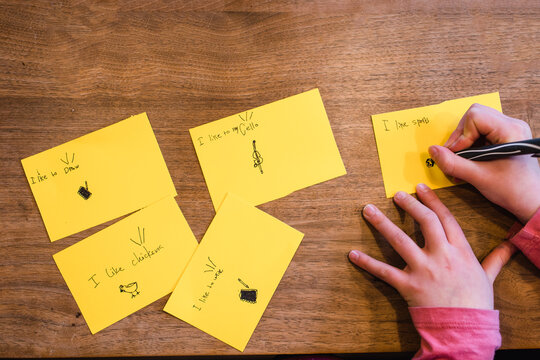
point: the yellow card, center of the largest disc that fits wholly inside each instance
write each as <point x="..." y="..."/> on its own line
<point x="403" y="138"/>
<point x="98" y="177"/>
<point x="234" y="272"/>
<point x="270" y="151"/>
<point x="129" y="264"/>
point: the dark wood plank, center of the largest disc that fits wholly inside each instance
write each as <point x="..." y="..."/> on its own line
<point x="71" y="68"/>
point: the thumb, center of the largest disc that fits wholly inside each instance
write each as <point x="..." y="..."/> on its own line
<point x="497" y="258"/>
<point x="454" y="165"/>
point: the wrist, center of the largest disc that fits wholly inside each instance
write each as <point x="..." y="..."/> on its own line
<point x="526" y="214"/>
<point x="454" y="317"/>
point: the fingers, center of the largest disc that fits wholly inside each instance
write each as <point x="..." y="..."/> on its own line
<point x="494" y="262"/>
<point x="480" y="120"/>
<point x="430" y="225"/>
<point x="403" y="244"/>
<point x="467" y="130"/>
<point x="456" y="166"/>
<point x="393" y="276"/>
<point x="451" y="229"/>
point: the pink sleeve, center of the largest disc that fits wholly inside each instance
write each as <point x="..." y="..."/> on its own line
<point x="527" y="238"/>
<point x="456" y="333"/>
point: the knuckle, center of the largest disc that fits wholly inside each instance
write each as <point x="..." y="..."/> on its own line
<point x="415" y="287"/>
<point x="377" y="218"/>
<point x="522" y="129"/>
<point x="446" y="164"/>
<point x="399" y="238"/>
<point x="429" y="217"/>
<point x="446" y="216"/>
<point x="408" y="201"/>
<point x="475" y="110"/>
<point x="383" y="273"/>
<point x="449" y="165"/>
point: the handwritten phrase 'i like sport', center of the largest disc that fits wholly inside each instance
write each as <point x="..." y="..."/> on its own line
<point x="397" y="125"/>
<point x="247" y="125"/>
<point x="138" y="257"/>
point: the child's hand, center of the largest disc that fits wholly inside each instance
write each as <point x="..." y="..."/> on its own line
<point x="445" y="272"/>
<point x="514" y="182"/>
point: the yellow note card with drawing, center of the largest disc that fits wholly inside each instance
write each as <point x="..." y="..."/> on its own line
<point x="403" y="138"/>
<point x="270" y="151"/>
<point x="98" y="177"/>
<point x="234" y="272"/>
<point x="129" y="264"/>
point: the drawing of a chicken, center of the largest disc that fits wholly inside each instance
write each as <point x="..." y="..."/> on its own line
<point x="131" y="288"/>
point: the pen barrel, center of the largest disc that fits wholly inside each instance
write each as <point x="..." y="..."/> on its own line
<point x="499" y="151"/>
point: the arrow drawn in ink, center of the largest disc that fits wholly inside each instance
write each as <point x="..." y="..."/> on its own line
<point x="142" y="238"/>
<point x="247" y="117"/>
<point x="66" y="161"/>
<point x="212" y="267"/>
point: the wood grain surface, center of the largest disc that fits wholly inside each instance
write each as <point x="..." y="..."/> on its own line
<point x="68" y="68"/>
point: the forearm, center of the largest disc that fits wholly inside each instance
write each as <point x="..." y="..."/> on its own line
<point x="456" y="333"/>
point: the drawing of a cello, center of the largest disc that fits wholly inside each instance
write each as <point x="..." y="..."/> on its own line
<point x="257" y="158"/>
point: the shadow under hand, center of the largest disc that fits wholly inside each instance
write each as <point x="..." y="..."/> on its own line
<point x="408" y="337"/>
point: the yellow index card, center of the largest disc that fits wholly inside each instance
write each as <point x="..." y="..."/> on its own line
<point x="129" y="264"/>
<point x="403" y="138"/>
<point x="98" y="177"/>
<point x="270" y="151"/>
<point x="234" y="272"/>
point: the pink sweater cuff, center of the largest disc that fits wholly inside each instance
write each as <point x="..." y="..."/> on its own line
<point x="456" y="333"/>
<point x="527" y="238"/>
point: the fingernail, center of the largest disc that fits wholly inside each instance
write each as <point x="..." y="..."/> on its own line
<point x="433" y="151"/>
<point x="369" y="210"/>
<point x="422" y="187"/>
<point x="354" y="255"/>
<point x="400" y="195"/>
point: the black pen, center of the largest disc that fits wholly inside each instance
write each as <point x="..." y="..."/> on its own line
<point x="498" y="151"/>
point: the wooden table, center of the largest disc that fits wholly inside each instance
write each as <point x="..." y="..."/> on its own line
<point x="68" y="69"/>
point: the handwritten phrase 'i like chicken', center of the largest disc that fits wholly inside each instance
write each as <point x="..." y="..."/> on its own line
<point x="143" y="254"/>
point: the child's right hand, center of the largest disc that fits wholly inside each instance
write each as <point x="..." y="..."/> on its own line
<point x="513" y="182"/>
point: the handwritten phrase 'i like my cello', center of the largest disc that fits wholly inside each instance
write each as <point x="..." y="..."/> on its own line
<point x="247" y="125"/>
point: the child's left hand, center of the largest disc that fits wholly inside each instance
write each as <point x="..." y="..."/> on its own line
<point x="445" y="273"/>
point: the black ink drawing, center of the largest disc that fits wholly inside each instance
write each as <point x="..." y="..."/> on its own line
<point x="247" y="294"/>
<point x="66" y="160"/>
<point x="257" y="158"/>
<point x="142" y="238"/>
<point x="83" y="191"/>
<point x="212" y="266"/>
<point x="430" y="162"/>
<point x="131" y="288"/>
<point x="247" y="118"/>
